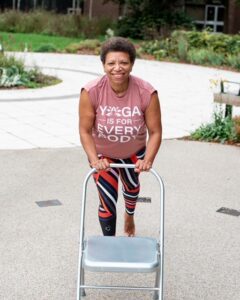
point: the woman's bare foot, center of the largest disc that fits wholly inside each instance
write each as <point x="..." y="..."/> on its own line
<point x="129" y="226"/>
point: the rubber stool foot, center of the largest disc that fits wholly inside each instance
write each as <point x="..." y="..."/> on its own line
<point x="82" y="293"/>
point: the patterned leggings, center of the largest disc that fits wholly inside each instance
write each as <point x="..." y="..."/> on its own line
<point x="107" y="185"/>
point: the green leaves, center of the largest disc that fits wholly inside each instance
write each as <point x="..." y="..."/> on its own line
<point x="13" y="74"/>
<point x="220" y="130"/>
<point x="10" y="77"/>
<point x="202" y="48"/>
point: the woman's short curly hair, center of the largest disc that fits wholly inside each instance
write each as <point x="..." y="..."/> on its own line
<point x="118" y="44"/>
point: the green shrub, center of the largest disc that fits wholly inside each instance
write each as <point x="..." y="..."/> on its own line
<point x="13" y="74"/>
<point x="220" y="43"/>
<point x="129" y="27"/>
<point x="155" y="47"/>
<point x="233" y="61"/>
<point x="236" y="121"/>
<point x="93" y="45"/>
<point x="9" y="61"/>
<point x="10" y="77"/>
<point x="182" y="50"/>
<point x="143" y="21"/>
<point x="33" y="22"/>
<point x="205" y="57"/>
<point x="46" y="48"/>
<point x="198" y="56"/>
<point x="221" y="130"/>
<point x="160" y="54"/>
<point x="35" y="79"/>
<point x="9" y="21"/>
<point x="50" y="23"/>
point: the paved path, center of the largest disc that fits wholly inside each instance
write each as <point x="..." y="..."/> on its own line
<point x="39" y="245"/>
<point x="48" y="117"/>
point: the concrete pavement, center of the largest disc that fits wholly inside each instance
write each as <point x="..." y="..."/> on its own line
<point x="41" y="159"/>
<point x="39" y="245"/>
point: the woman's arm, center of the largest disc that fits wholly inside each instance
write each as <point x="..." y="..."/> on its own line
<point x="86" y="123"/>
<point x="154" y="126"/>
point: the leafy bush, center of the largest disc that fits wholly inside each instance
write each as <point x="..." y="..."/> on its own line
<point x="236" y="121"/>
<point x="233" y="61"/>
<point x="203" y="48"/>
<point x="182" y="51"/>
<point x="92" y="45"/>
<point x="50" y="23"/>
<point x="13" y="74"/>
<point x="220" y="43"/>
<point x="129" y="27"/>
<point x="10" y="77"/>
<point x="221" y="130"/>
<point x="46" y="48"/>
<point x="148" y="19"/>
<point x="205" y="57"/>
<point x="8" y="62"/>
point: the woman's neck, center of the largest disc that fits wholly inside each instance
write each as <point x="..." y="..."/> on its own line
<point x="119" y="89"/>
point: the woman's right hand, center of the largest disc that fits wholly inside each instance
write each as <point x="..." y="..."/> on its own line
<point x="100" y="164"/>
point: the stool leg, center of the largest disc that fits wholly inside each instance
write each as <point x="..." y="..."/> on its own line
<point x="82" y="290"/>
<point x="156" y="293"/>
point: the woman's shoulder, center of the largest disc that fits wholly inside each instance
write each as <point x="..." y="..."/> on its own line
<point x="95" y="83"/>
<point x="143" y="84"/>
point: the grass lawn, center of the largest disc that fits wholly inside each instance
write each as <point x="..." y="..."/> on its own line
<point x="18" y="41"/>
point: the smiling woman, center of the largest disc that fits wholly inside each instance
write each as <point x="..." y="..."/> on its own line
<point x="116" y="113"/>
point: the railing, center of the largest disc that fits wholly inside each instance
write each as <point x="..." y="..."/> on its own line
<point x="229" y="94"/>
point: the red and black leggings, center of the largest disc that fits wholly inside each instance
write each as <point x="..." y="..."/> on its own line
<point x="107" y="185"/>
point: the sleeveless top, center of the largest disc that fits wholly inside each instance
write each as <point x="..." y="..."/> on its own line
<point x="119" y="130"/>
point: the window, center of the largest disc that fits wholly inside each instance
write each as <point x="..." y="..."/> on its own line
<point x="214" y="17"/>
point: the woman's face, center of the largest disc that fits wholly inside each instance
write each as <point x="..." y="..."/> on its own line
<point x="118" y="66"/>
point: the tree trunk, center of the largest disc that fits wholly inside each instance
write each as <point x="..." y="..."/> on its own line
<point x="54" y="5"/>
<point x="34" y="4"/>
<point x="14" y="4"/>
<point x="90" y="10"/>
<point x="18" y="5"/>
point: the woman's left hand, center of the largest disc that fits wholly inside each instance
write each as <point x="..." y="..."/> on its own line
<point x="142" y="165"/>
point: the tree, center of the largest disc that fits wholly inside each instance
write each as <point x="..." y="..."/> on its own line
<point x="154" y="5"/>
<point x="150" y="18"/>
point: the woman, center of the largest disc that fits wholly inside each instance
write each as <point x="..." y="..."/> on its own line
<point x="116" y="111"/>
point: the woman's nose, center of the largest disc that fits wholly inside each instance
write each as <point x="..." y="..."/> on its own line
<point x="117" y="66"/>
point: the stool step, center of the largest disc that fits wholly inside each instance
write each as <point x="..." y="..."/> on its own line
<point x="121" y="254"/>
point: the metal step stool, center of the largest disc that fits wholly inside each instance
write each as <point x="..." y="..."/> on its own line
<point x="121" y="254"/>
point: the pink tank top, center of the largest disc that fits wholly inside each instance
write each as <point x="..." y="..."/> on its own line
<point x="119" y="129"/>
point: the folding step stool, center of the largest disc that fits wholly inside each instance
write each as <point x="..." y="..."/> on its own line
<point x="121" y="254"/>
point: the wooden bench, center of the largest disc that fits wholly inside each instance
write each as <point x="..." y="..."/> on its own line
<point x="225" y="96"/>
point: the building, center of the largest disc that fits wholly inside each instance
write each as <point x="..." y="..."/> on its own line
<point x="219" y="15"/>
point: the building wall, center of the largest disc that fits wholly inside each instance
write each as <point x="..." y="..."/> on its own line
<point x="100" y="10"/>
<point x="233" y="17"/>
<point x="196" y="9"/>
